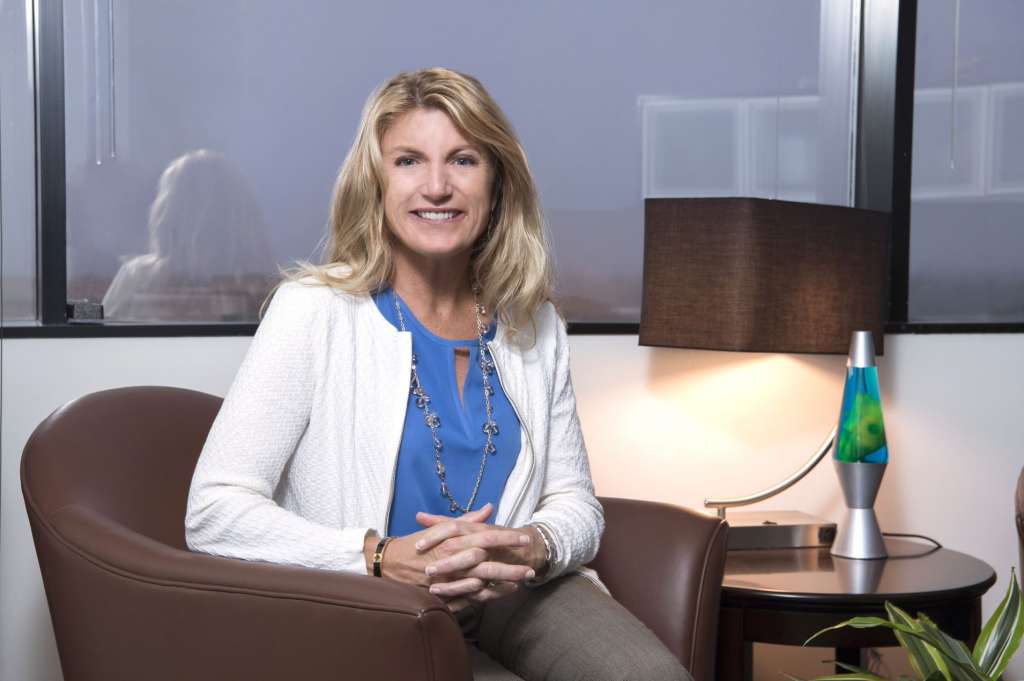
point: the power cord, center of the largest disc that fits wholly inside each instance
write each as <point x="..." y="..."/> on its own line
<point x="915" y="536"/>
<point x="936" y="545"/>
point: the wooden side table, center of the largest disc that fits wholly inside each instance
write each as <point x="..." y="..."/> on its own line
<point x="784" y="596"/>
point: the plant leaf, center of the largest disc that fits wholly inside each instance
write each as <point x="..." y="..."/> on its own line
<point x="859" y="671"/>
<point x="986" y="648"/>
<point x="857" y="676"/>
<point x="855" y="623"/>
<point x="1001" y="636"/>
<point x="960" y="665"/>
<point x="963" y="666"/>
<point x="868" y="623"/>
<point x="924" y="658"/>
<point x="867" y="676"/>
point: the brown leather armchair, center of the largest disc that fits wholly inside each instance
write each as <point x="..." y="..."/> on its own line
<point x="105" y="480"/>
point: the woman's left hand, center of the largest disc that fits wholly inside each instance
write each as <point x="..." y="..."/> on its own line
<point x="462" y="573"/>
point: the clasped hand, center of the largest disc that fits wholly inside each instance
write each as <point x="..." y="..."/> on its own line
<point x="464" y="559"/>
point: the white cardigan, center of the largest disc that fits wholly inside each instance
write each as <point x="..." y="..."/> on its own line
<point x="300" y="462"/>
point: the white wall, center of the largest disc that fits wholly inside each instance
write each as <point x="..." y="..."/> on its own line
<point x="668" y="425"/>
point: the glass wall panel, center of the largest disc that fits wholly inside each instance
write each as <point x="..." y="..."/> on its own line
<point x="17" y="165"/>
<point x="203" y="138"/>
<point x="967" y="210"/>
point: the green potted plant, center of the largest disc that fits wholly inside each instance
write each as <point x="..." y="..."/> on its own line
<point x="937" y="656"/>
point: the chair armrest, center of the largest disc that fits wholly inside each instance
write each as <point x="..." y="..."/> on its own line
<point x="665" y="564"/>
<point x="129" y="602"/>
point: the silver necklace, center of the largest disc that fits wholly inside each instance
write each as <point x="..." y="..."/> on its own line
<point x="433" y="421"/>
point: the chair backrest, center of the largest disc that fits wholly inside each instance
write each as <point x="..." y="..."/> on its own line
<point x="127" y="453"/>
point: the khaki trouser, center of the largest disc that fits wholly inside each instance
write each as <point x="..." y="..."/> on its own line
<point x="565" y="630"/>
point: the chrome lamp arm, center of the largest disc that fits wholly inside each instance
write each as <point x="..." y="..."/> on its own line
<point x="823" y="448"/>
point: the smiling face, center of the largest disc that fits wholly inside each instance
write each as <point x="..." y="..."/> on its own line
<point x="438" y="187"/>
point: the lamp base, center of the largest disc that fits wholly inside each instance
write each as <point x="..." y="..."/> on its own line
<point x="860" y="536"/>
<point x="777" y="530"/>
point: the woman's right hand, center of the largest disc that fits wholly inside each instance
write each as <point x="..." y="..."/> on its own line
<point x="479" y="580"/>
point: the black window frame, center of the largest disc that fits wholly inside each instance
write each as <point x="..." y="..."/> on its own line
<point x="886" y="53"/>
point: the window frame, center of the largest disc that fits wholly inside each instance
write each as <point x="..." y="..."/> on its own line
<point x="886" y="52"/>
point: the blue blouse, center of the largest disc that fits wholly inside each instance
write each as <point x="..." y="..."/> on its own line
<point x="417" y="487"/>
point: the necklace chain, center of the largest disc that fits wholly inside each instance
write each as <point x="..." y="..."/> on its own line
<point x="433" y="421"/>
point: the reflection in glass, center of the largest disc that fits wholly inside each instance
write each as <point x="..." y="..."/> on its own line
<point x="208" y="257"/>
<point x="278" y="92"/>
<point x="966" y="241"/>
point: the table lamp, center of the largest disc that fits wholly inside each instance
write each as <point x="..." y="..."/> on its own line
<point x="757" y="275"/>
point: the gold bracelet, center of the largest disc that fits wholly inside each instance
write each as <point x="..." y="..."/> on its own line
<point x="378" y="555"/>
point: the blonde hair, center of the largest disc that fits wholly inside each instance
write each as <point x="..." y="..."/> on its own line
<point x="510" y="263"/>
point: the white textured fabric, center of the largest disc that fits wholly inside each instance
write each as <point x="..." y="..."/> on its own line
<point x="299" y="464"/>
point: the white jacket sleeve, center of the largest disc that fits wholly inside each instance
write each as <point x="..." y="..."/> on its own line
<point x="231" y="511"/>
<point x="567" y="507"/>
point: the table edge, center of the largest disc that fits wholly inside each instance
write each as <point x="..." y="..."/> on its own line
<point x="741" y="597"/>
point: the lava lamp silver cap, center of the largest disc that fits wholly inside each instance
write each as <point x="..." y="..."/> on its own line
<point x="862" y="350"/>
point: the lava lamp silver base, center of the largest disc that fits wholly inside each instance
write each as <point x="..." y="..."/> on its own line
<point x="859" y="535"/>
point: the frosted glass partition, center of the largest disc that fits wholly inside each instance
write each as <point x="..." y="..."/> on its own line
<point x="967" y="211"/>
<point x="613" y="101"/>
<point x="17" y="166"/>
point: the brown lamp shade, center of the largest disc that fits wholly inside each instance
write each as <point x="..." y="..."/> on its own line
<point x="756" y="275"/>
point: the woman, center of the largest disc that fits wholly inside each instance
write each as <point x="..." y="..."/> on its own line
<point x="405" y="411"/>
